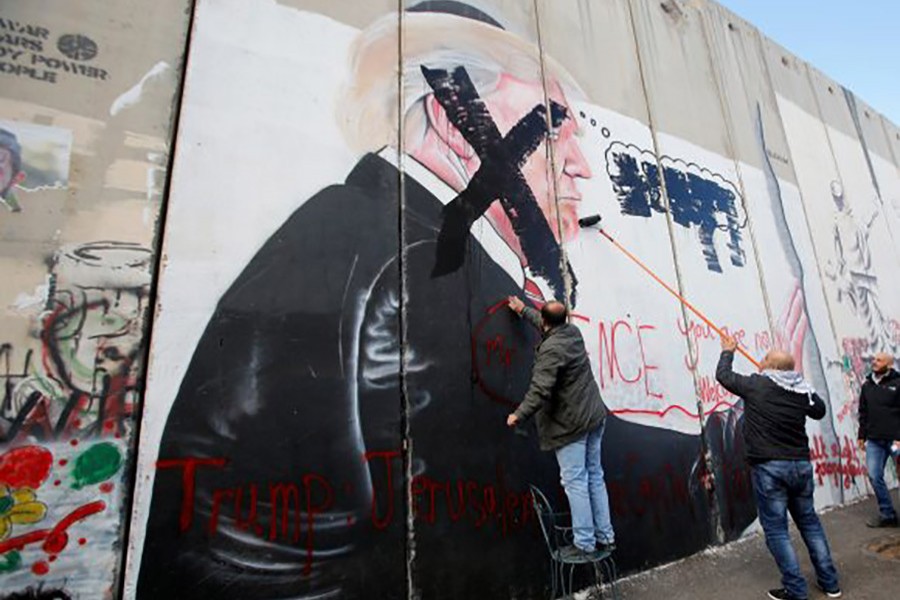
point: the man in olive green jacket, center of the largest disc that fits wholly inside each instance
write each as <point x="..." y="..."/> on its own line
<point x="570" y="415"/>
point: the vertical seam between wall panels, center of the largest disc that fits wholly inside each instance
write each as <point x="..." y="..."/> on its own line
<point x="730" y="148"/>
<point x="837" y="171"/>
<point x="548" y="142"/>
<point x="714" y="510"/>
<point x="852" y="105"/>
<point x="129" y="499"/>
<point x="815" y="96"/>
<point x="803" y="207"/>
<point x="405" y="441"/>
<point x="887" y="135"/>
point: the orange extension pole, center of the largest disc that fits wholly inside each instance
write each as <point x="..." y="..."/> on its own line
<point x="669" y="289"/>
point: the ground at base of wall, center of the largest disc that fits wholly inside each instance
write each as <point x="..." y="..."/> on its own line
<point x="744" y="570"/>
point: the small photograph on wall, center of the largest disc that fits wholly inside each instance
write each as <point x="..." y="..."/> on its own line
<point x="32" y="158"/>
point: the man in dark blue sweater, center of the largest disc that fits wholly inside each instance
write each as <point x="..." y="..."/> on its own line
<point x="777" y="402"/>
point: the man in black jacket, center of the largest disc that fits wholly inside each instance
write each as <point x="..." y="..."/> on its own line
<point x="776" y="404"/>
<point x="879" y="429"/>
<point x="570" y="417"/>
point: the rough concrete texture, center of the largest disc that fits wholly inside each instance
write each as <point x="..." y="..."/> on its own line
<point x="744" y="570"/>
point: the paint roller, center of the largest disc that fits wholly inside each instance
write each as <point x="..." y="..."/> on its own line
<point x="587" y="222"/>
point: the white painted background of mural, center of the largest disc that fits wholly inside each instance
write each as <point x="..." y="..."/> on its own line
<point x="612" y="289"/>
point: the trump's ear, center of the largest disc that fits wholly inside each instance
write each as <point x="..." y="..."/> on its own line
<point x="445" y="130"/>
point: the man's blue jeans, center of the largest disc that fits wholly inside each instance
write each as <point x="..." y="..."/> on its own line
<point x="877" y="454"/>
<point x="784" y="486"/>
<point x="582" y="478"/>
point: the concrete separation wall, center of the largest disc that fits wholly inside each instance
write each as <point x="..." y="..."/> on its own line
<point x="87" y="91"/>
<point x="329" y="376"/>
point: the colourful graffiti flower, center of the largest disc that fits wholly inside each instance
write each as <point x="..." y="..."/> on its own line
<point x="19" y="507"/>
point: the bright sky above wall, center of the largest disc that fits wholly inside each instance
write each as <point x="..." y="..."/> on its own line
<point x="856" y="42"/>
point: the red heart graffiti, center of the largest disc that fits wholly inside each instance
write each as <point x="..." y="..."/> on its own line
<point x="27" y="466"/>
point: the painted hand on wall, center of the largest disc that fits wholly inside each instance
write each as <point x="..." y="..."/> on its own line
<point x="793" y="325"/>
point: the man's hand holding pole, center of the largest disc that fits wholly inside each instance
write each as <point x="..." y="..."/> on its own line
<point x="729" y="344"/>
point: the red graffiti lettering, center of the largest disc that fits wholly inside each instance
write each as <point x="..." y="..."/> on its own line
<point x="646" y="367"/>
<point x="327" y="495"/>
<point x="839" y="463"/>
<point x="712" y="393"/>
<point x="188" y="481"/>
<point x="387" y="456"/>
<point x="610" y="355"/>
<point x="497" y="350"/>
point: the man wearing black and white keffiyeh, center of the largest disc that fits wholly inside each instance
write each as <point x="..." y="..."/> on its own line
<point x="777" y="402"/>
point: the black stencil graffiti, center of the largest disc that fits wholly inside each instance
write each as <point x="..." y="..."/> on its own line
<point x="24" y="53"/>
<point x="77" y="47"/>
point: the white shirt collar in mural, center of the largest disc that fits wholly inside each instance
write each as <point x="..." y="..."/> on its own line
<point x="482" y="230"/>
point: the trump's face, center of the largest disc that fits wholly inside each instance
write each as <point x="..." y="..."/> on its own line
<point x="548" y="179"/>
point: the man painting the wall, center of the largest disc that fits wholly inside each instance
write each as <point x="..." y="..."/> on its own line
<point x="11" y="173"/>
<point x="879" y="430"/>
<point x="776" y="404"/>
<point x="570" y="414"/>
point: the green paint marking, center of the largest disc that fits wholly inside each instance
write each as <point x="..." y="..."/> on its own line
<point x="97" y="463"/>
<point x="6" y="503"/>
<point x="10" y="561"/>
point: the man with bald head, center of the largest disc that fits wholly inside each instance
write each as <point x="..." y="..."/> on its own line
<point x="777" y="402"/>
<point x="570" y="414"/>
<point x="879" y="429"/>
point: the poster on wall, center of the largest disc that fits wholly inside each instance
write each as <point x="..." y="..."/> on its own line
<point x="32" y="157"/>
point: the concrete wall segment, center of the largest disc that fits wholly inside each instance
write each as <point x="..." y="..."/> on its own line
<point x="595" y="40"/>
<point x="88" y="90"/>
<point x="678" y="75"/>
<point x="893" y="136"/>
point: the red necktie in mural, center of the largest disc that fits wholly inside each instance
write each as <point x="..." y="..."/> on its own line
<point x="534" y="294"/>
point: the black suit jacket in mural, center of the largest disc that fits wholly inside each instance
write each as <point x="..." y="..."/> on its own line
<point x="282" y="470"/>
